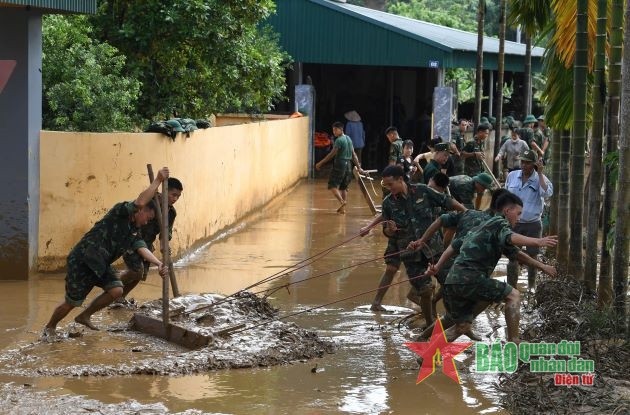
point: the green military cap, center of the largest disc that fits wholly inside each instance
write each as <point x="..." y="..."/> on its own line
<point x="529" y="155"/>
<point x="483" y="120"/>
<point x="441" y="147"/>
<point x="529" y="119"/>
<point x="483" y="179"/>
<point x="492" y="120"/>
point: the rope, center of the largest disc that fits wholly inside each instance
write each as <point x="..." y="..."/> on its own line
<point x="275" y="289"/>
<point x="324" y="305"/>
<point x="287" y="270"/>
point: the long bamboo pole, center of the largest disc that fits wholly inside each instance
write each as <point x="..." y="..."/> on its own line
<point x="166" y="256"/>
<point x="158" y="216"/>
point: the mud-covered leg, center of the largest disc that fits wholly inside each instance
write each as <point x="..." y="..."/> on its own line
<point x="513" y="315"/>
<point x="383" y="285"/>
<point x="97" y="304"/>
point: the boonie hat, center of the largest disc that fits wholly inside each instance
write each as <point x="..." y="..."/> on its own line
<point x="483" y="179"/>
<point x="529" y="155"/>
<point x="529" y="119"/>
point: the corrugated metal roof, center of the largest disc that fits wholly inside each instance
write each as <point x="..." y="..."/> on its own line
<point x="447" y="37"/>
<point x="77" y="6"/>
<point x="324" y="31"/>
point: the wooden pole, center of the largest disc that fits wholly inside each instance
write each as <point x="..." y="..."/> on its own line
<point x="165" y="253"/>
<point x="158" y="217"/>
<point x="491" y="174"/>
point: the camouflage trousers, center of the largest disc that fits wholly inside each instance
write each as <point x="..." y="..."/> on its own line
<point x="460" y="299"/>
<point x="341" y="175"/>
<point x="80" y="279"/>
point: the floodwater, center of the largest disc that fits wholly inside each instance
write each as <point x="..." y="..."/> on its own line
<point x="370" y="372"/>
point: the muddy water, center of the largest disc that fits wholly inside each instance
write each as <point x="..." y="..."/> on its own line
<point x="371" y="371"/>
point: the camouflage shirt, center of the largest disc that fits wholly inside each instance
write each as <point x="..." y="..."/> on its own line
<point x="472" y="165"/>
<point x="414" y="213"/>
<point x="458" y="138"/>
<point x="109" y="238"/>
<point x="463" y="222"/>
<point x="151" y="230"/>
<point x="480" y="251"/>
<point x="396" y="150"/>
<point x="462" y="189"/>
<point x="430" y="170"/>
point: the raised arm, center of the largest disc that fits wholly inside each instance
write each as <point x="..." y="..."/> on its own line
<point x="147" y="194"/>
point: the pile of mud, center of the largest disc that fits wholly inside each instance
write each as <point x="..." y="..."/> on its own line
<point x="122" y="351"/>
<point x="566" y="312"/>
<point x="22" y="399"/>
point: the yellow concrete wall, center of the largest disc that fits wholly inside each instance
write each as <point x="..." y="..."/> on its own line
<point x="227" y="172"/>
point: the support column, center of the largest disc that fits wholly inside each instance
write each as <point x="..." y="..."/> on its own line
<point x="20" y="125"/>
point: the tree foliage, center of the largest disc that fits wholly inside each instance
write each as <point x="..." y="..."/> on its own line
<point x="84" y="86"/>
<point x="196" y="56"/>
<point x="458" y="14"/>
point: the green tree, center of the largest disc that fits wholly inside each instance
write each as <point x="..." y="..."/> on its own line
<point x="479" y="71"/>
<point x="532" y="16"/>
<point x="500" y="80"/>
<point x="595" y="174"/>
<point x="605" y="290"/>
<point x="197" y="56"/>
<point x="458" y="14"/>
<point x="84" y="88"/>
<point x="578" y="142"/>
<point x="622" y="217"/>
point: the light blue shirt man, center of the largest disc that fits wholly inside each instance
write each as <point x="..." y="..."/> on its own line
<point x="531" y="193"/>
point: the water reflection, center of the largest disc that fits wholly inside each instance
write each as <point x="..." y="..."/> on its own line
<point x="372" y="371"/>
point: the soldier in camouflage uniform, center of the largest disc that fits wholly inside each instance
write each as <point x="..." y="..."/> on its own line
<point x="528" y="134"/>
<point x="138" y="267"/>
<point x="395" y="145"/>
<point x="473" y="152"/>
<point x="440" y="157"/>
<point x="341" y="174"/>
<point x="457" y="145"/>
<point x="459" y="223"/>
<point x="89" y="262"/>
<point x="408" y="211"/>
<point x="468" y="282"/>
<point x="464" y="188"/>
<point x="439" y="183"/>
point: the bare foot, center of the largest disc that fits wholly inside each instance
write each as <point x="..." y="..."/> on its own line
<point x="377" y="307"/>
<point x="472" y="336"/>
<point x="342" y="208"/>
<point x="49" y="334"/>
<point x="85" y="321"/>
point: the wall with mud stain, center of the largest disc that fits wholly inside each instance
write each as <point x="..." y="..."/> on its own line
<point x="227" y="172"/>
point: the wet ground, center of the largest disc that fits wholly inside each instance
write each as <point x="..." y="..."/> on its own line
<point x="371" y="370"/>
